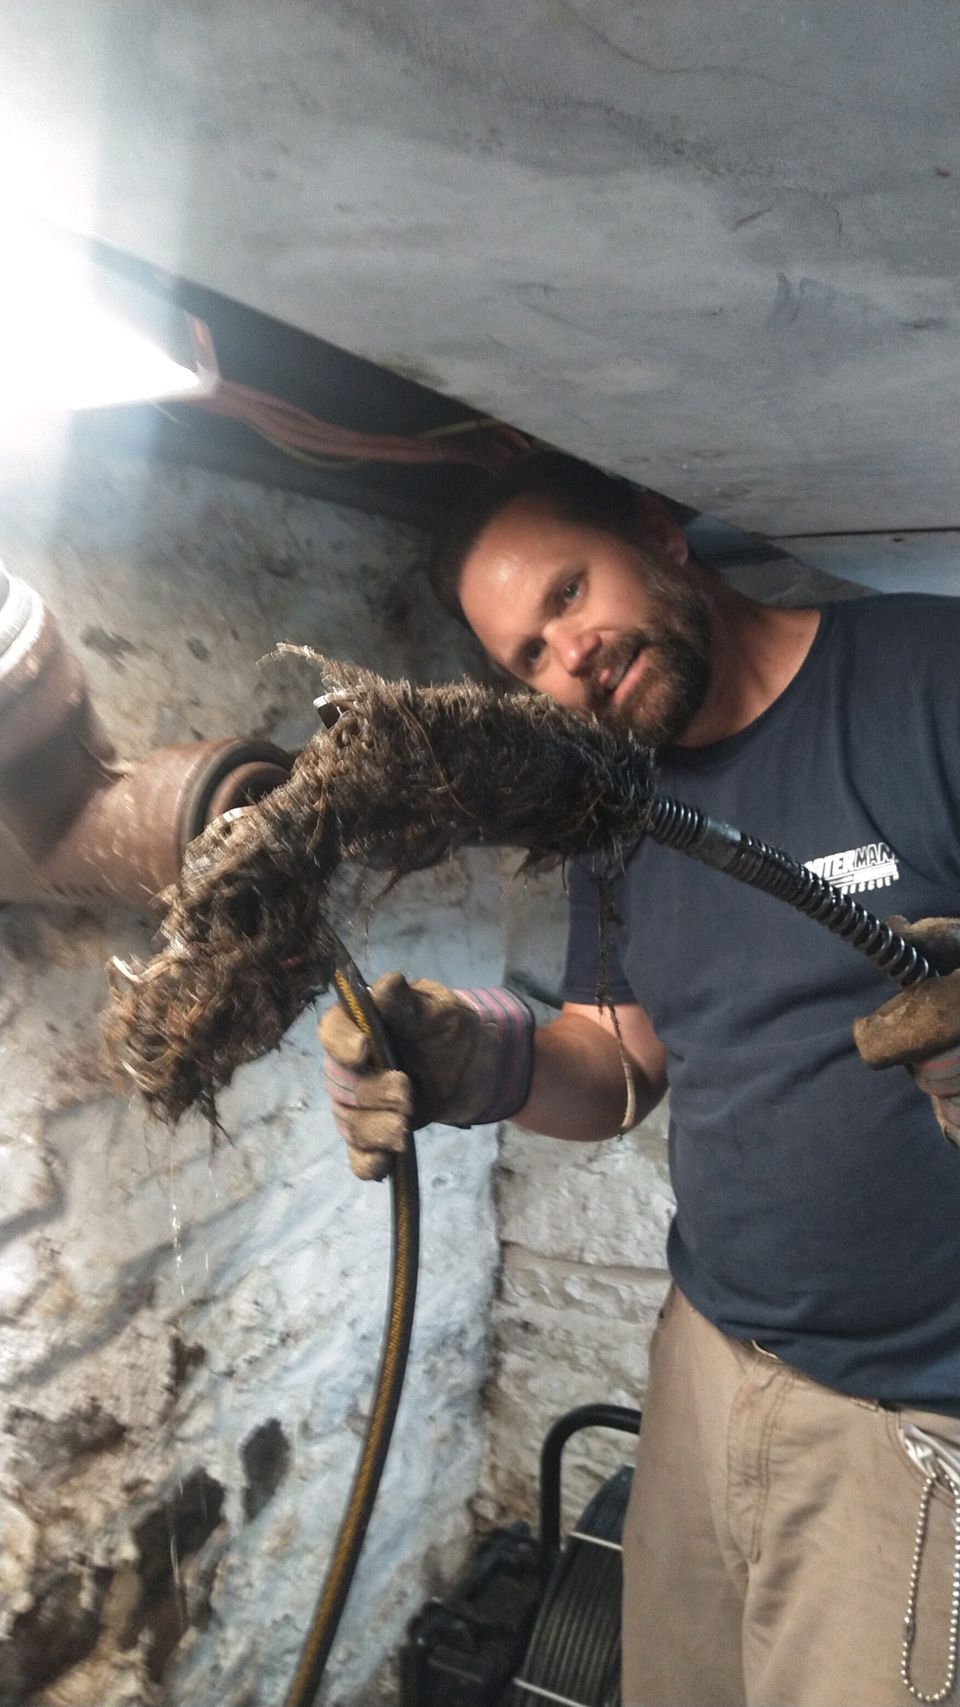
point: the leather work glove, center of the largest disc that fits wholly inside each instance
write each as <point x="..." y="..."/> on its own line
<point x="920" y="1028"/>
<point x="467" y="1058"/>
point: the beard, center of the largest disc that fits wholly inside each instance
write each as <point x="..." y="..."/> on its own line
<point x="673" y="683"/>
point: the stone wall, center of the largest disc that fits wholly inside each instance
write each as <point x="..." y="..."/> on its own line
<point x="583" y="1230"/>
<point x="189" y="1327"/>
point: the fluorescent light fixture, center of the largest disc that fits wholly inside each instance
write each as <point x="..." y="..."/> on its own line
<point x="76" y="335"/>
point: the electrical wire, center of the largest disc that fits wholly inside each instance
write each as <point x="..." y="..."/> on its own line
<point x="323" y="444"/>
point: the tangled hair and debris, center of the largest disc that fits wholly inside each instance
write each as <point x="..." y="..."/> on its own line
<point x="402" y="778"/>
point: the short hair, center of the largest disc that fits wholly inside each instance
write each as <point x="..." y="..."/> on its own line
<point x="575" y="492"/>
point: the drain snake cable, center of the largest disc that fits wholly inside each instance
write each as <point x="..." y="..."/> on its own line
<point x="712" y="842"/>
<point x="404" y="1260"/>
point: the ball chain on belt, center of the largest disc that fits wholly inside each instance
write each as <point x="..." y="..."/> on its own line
<point x="910" y="1620"/>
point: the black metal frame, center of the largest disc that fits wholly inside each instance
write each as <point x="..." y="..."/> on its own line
<point x="620" y="1417"/>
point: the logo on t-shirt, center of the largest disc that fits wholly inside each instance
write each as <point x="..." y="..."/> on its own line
<point x="873" y="866"/>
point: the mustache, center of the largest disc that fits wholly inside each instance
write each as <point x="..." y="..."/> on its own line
<point x="610" y="660"/>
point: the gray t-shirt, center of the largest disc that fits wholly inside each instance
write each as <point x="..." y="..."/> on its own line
<point x="818" y="1204"/>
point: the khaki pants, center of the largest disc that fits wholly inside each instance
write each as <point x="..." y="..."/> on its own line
<point x="769" y="1537"/>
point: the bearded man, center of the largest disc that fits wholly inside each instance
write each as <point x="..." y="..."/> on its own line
<point x="793" y="1534"/>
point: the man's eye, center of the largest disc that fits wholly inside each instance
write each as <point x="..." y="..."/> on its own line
<point x="532" y="652"/>
<point x="569" y="591"/>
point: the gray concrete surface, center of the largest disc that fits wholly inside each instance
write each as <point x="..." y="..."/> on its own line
<point x="712" y="246"/>
<point x="886" y="563"/>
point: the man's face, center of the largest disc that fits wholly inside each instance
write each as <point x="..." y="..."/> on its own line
<point x="576" y="613"/>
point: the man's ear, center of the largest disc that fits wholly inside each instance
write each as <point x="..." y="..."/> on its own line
<point x="665" y="532"/>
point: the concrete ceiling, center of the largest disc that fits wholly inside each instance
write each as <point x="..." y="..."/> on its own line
<point x="713" y="244"/>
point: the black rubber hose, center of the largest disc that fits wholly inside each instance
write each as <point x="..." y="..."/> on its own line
<point x="676" y="825"/>
<point x="404" y="1261"/>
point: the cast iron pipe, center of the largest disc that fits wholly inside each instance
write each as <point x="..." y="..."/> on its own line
<point x="76" y="823"/>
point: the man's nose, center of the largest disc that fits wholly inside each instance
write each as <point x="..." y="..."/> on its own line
<point x="575" y="648"/>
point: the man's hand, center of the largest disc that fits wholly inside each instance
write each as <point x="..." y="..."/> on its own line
<point x="920" y="1028"/>
<point x="466" y="1057"/>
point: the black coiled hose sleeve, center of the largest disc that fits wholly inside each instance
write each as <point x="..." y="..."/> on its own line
<point x="676" y="825"/>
